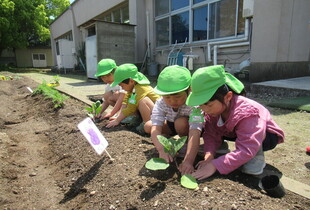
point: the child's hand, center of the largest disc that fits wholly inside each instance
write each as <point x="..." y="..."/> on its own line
<point x="113" y="123"/>
<point x="98" y="116"/>
<point x="108" y="115"/>
<point x="205" y="170"/>
<point x="112" y="118"/>
<point x="208" y="157"/>
<point x="186" y="168"/>
<point x="165" y="156"/>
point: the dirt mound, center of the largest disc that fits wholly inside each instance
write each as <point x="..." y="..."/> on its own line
<point x="46" y="163"/>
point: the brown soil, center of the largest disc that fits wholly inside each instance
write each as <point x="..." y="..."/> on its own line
<point x="46" y="163"/>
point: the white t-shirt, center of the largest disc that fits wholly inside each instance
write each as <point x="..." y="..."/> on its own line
<point x="114" y="89"/>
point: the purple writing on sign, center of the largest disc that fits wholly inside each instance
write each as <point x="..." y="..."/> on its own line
<point x="93" y="136"/>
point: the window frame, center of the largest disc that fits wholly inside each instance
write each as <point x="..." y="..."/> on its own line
<point x="190" y="8"/>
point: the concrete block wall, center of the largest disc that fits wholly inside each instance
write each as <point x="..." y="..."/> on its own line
<point x="116" y="41"/>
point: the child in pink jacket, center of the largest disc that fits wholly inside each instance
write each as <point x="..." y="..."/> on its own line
<point x="234" y="117"/>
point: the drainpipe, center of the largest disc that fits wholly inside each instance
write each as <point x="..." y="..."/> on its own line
<point x="225" y="46"/>
<point x="215" y="55"/>
<point x="148" y="35"/>
<point x="245" y="38"/>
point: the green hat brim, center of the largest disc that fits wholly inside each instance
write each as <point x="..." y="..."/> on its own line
<point x="113" y="84"/>
<point x="195" y="99"/>
<point x="159" y="92"/>
<point x="104" y="73"/>
<point x="139" y="78"/>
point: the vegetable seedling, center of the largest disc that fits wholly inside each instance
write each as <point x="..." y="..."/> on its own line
<point x="94" y="110"/>
<point x="51" y="93"/>
<point x="55" y="81"/>
<point x="171" y="146"/>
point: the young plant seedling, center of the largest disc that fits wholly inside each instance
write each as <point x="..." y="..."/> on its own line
<point x="55" y="81"/>
<point x="94" y="110"/>
<point x="171" y="147"/>
<point x="3" y="77"/>
<point x="51" y="93"/>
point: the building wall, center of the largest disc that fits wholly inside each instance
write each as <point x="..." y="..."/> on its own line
<point x="82" y="11"/>
<point x="118" y="42"/>
<point x="7" y="56"/>
<point x="280" y="40"/>
<point x="280" y="36"/>
<point x="24" y="57"/>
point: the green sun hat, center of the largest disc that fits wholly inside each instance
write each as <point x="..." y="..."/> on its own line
<point x="206" y="81"/>
<point x="173" y="79"/>
<point x="105" y="66"/>
<point x="126" y="71"/>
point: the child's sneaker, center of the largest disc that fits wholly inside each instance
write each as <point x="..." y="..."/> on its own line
<point x="256" y="165"/>
<point x="140" y="128"/>
<point x="223" y="149"/>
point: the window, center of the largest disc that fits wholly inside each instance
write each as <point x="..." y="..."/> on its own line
<point x="200" y="27"/>
<point x="162" y="31"/>
<point x="119" y="15"/>
<point x="161" y="7"/>
<point x="180" y="27"/>
<point x="198" y="1"/>
<point x="125" y="14"/>
<point x="222" y="15"/>
<point x="42" y="56"/>
<point x="197" y="20"/>
<point x="35" y="56"/>
<point x="67" y="36"/>
<point x="177" y="4"/>
<point x="57" y="48"/>
<point x="108" y="18"/>
<point x="91" y="31"/>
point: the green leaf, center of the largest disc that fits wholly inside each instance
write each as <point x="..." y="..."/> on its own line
<point x="189" y="181"/>
<point x="178" y="144"/>
<point x="156" y="164"/>
<point x="88" y="109"/>
<point x="93" y="106"/>
<point x="97" y="104"/>
<point x="98" y="109"/>
<point x="168" y="146"/>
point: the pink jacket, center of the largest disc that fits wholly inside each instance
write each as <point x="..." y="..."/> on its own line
<point x="248" y="122"/>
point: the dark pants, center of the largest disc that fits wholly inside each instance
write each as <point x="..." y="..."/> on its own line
<point x="269" y="143"/>
<point x="172" y="128"/>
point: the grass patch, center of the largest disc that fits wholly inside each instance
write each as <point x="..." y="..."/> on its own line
<point x="57" y="98"/>
<point x="299" y="103"/>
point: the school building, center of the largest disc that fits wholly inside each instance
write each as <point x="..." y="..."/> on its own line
<point x="259" y="39"/>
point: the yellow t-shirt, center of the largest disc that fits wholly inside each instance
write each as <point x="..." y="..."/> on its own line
<point x="141" y="91"/>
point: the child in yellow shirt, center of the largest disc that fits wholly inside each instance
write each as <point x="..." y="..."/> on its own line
<point x="140" y="95"/>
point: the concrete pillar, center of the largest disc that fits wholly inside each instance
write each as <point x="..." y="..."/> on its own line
<point x="137" y="16"/>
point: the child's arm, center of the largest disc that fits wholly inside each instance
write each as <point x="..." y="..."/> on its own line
<point x="157" y="130"/>
<point x="192" y="149"/>
<point x="117" y="107"/>
<point x="116" y="121"/>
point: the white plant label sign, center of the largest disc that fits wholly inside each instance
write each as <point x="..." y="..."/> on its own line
<point x="93" y="135"/>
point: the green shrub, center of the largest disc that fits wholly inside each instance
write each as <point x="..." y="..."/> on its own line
<point x="51" y="93"/>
